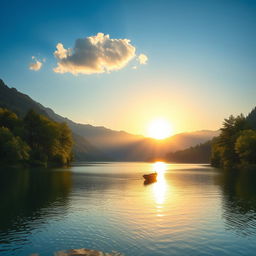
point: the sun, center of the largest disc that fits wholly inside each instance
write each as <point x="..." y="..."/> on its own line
<point x="159" y="129"/>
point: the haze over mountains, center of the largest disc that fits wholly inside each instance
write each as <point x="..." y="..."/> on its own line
<point x="97" y="143"/>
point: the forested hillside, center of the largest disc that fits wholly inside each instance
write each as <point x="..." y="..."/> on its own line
<point x="236" y="144"/>
<point x="20" y="103"/>
<point x="198" y="154"/>
<point x="33" y="140"/>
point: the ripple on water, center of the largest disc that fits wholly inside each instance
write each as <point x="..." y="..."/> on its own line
<point x="189" y="212"/>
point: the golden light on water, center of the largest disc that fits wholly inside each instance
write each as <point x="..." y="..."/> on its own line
<point x="160" y="167"/>
<point x="159" y="129"/>
<point x="160" y="187"/>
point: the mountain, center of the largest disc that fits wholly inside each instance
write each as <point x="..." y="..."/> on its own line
<point x="21" y="103"/>
<point x="123" y="146"/>
<point x="188" y="139"/>
<point x="18" y="102"/>
<point x="200" y="153"/>
<point x="95" y="143"/>
<point x="84" y="151"/>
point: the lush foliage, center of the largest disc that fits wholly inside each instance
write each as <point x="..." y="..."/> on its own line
<point x="235" y="146"/>
<point x="12" y="148"/>
<point x="236" y="143"/>
<point x="83" y="150"/>
<point x="34" y="139"/>
<point x="246" y="146"/>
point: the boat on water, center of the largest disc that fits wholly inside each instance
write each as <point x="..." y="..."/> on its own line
<point x="151" y="177"/>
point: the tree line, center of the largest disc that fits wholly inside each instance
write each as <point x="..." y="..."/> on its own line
<point x="234" y="147"/>
<point x="236" y="144"/>
<point x="33" y="140"/>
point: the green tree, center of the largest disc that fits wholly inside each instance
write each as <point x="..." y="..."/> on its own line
<point x="12" y="149"/>
<point x="51" y="142"/>
<point x="8" y="119"/>
<point x="63" y="147"/>
<point x="216" y="153"/>
<point x="35" y="138"/>
<point x="246" y="146"/>
<point x="223" y="147"/>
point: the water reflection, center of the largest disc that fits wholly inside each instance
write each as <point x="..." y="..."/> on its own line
<point x="239" y="200"/>
<point x="26" y="195"/>
<point x="160" y="187"/>
<point x="159" y="167"/>
<point x="190" y="210"/>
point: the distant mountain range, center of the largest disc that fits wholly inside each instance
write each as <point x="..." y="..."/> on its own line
<point x="97" y="143"/>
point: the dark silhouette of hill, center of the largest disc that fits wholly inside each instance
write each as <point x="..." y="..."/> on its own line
<point x="100" y="143"/>
<point x="123" y="146"/>
<point x="85" y="151"/>
<point x="20" y="103"/>
<point x="198" y="154"/>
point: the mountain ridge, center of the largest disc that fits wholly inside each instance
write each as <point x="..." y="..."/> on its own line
<point x="96" y="143"/>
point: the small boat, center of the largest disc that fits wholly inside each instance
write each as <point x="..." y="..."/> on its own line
<point x="151" y="177"/>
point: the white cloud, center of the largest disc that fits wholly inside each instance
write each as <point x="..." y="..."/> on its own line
<point x="142" y="59"/>
<point x="36" y="65"/>
<point x="94" y="54"/>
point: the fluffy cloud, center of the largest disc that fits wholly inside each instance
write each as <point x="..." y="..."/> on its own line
<point x="94" y="54"/>
<point x="36" y="65"/>
<point x="142" y="59"/>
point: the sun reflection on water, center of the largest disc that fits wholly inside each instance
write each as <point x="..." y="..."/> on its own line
<point x="160" y="187"/>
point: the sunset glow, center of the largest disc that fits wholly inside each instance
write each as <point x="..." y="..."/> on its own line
<point x="159" y="129"/>
<point x="160" y="186"/>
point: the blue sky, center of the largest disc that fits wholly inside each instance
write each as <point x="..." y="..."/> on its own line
<point x="200" y="69"/>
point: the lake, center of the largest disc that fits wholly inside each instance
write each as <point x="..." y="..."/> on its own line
<point x="191" y="210"/>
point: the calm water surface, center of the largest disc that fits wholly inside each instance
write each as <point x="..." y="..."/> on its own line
<point x="190" y="210"/>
